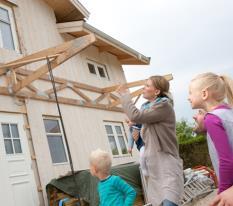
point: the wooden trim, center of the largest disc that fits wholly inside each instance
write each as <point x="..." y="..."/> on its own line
<point x="14" y="112"/>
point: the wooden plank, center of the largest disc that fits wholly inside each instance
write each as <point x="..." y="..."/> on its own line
<point x="132" y="84"/>
<point x="61" y="81"/>
<point x="133" y="94"/>
<point x="62" y="100"/>
<point x="43" y="53"/>
<point x="77" y="46"/>
<point x="81" y="94"/>
<point x="58" y="88"/>
<point x="100" y="98"/>
<point x="113" y="96"/>
<point x="30" y="87"/>
<point x="22" y="63"/>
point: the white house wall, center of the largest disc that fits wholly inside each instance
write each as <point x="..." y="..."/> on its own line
<point x="85" y="131"/>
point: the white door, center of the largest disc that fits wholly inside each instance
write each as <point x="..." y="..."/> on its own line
<point x="17" y="183"/>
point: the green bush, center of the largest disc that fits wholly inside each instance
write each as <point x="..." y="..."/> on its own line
<point x="185" y="134"/>
<point x="193" y="148"/>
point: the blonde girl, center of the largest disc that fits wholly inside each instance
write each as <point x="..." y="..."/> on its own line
<point x="209" y="91"/>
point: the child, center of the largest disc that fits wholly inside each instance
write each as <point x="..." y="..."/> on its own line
<point x="208" y="91"/>
<point x="113" y="191"/>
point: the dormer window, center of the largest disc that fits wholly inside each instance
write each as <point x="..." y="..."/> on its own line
<point x="97" y="69"/>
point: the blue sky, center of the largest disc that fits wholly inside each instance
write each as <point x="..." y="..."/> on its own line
<point x="182" y="37"/>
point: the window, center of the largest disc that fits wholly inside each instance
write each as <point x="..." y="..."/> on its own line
<point x="11" y="138"/>
<point x="55" y="140"/>
<point x="98" y="69"/>
<point x="101" y="72"/>
<point x="91" y="68"/>
<point x="7" y="28"/>
<point x="116" y="138"/>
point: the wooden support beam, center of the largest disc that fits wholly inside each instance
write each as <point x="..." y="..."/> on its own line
<point x="132" y="84"/>
<point x="77" y="45"/>
<point x="113" y="96"/>
<point x="41" y="54"/>
<point x="62" y="81"/>
<point x="133" y="94"/>
<point x="30" y="86"/>
<point x="81" y="94"/>
<point x="22" y="63"/>
<point x="58" y="88"/>
<point x="62" y="100"/>
<point x="100" y="98"/>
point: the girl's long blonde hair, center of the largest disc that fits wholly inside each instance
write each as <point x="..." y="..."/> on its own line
<point x="221" y="86"/>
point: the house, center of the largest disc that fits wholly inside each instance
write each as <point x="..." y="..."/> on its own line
<point x="86" y="63"/>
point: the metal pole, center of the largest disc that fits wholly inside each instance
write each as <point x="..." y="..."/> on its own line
<point x="63" y="127"/>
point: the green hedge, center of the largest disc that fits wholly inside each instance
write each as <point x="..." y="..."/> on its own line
<point x="194" y="152"/>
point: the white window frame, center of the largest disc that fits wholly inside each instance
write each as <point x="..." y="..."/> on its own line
<point x="13" y="28"/>
<point x="97" y="74"/>
<point x="56" y="134"/>
<point x="12" y="138"/>
<point x="113" y="124"/>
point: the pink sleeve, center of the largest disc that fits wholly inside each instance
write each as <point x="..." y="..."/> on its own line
<point x="219" y="137"/>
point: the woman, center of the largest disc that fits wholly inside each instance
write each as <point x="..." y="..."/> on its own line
<point x="165" y="169"/>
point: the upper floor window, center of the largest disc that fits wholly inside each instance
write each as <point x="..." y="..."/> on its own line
<point x="7" y="28"/>
<point x="97" y="69"/>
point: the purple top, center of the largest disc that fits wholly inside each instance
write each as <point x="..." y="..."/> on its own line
<point x="214" y="127"/>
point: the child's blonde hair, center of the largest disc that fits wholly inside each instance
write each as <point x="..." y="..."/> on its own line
<point x="101" y="160"/>
<point x="221" y="86"/>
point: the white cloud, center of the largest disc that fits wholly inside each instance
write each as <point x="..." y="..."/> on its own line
<point x="182" y="37"/>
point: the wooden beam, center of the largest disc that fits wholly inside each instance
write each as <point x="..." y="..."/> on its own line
<point x="100" y="98"/>
<point x="22" y="63"/>
<point x="133" y="94"/>
<point x="62" y="100"/>
<point x="59" y="80"/>
<point x="132" y="84"/>
<point x="58" y="88"/>
<point x="30" y="87"/>
<point x="81" y="94"/>
<point x="43" y="53"/>
<point x="77" y="45"/>
<point x="113" y="96"/>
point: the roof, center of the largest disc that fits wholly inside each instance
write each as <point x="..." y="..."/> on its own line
<point x="68" y="10"/>
<point x="105" y="43"/>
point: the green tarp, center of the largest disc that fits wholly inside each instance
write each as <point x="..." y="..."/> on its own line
<point x="87" y="185"/>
